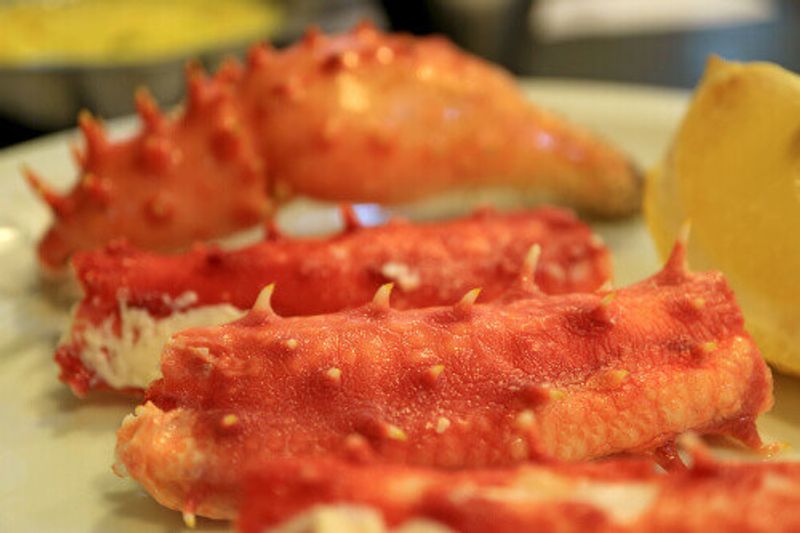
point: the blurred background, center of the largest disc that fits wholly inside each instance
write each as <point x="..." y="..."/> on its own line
<point x="57" y="56"/>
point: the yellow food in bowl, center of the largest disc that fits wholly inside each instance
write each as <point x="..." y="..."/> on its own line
<point x="734" y="171"/>
<point x="125" y="31"/>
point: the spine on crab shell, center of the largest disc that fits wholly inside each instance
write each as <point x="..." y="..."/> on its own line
<point x="90" y="186"/>
<point x="153" y="120"/>
<point x="60" y="205"/>
<point x="95" y="138"/>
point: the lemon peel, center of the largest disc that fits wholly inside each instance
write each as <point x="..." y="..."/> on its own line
<point x="734" y="170"/>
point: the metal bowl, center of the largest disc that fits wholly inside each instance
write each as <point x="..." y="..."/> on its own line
<point x="49" y="96"/>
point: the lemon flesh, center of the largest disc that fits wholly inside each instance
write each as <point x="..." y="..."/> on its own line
<point x="734" y="172"/>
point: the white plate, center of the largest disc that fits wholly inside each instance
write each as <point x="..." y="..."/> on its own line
<point x="56" y="450"/>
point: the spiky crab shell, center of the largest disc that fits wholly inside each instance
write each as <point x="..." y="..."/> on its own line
<point x="570" y="377"/>
<point x="359" y="117"/>
<point x="431" y="264"/>
<point x="183" y="179"/>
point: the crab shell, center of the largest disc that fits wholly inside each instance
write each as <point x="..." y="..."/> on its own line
<point x="360" y="117"/>
<point x="534" y="377"/>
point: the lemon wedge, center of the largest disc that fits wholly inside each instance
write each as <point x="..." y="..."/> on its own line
<point x="734" y="171"/>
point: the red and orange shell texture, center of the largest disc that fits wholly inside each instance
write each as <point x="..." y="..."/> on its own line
<point x="133" y="300"/>
<point x="619" y="496"/>
<point x="528" y="377"/>
<point x="359" y="117"/>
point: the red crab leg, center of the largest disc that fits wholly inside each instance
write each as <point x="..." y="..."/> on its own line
<point x="134" y="300"/>
<point x="613" y="496"/>
<point x="359" y="117"/>
<point x="570" y="377"/>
